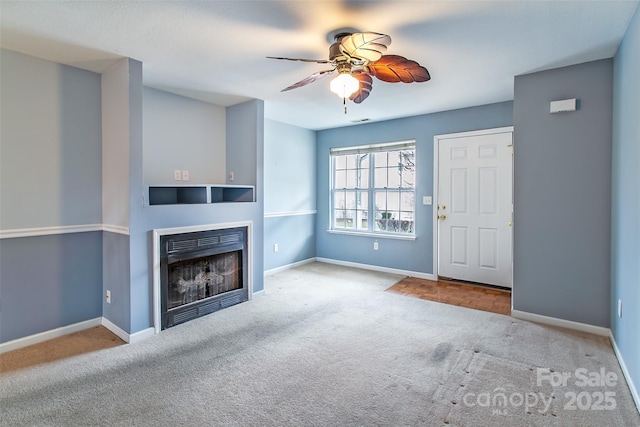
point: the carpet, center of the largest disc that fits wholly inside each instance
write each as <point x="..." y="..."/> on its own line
<point x="326" y="346"/>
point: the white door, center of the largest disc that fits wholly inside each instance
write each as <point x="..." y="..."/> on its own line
<point x="475" y="207"/>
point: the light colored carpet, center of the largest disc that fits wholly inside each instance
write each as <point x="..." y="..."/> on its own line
<point x="326" y="346"/>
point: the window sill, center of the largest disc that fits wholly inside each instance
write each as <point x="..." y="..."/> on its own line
<point x="374" y="234"/>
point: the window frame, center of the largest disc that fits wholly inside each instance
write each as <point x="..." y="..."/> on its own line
<point x="371" y="191"/>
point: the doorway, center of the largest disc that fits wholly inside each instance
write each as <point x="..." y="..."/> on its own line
<point x="473" y="173"/>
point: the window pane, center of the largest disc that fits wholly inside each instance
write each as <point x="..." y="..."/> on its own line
<point x="352" y="178"/>
<point x="364" y="179"/>
<point x="380" y="178"/>
<point x="393" y="200"/>
<point x="407" y="201"/>
<point x="341" y="179"/>
<point x="363" y="211"/>
<point x="394" y="158"/>
<point x="406" y="216"/>
<point x="339" y="218"/>
<point x="364" y="161"/>
<point x="339" y="213"/>
<point x="380" y="201"/>
<point x="380" y="159"/>
<point x="339" y="200"/>
<point x="352" y="161"/>
<point x="395" y="178"/>
<point x="350" y="198"/>
<point x="340" y="162"/>
<point x="408" y="178"/>
<point x="408" y="159"/>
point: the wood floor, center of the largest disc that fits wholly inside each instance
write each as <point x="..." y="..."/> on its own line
<point x="460" y="294"/>
<point x="88" y="340"/>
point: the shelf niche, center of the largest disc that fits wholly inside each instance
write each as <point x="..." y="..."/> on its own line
<point x="200" y="194"/>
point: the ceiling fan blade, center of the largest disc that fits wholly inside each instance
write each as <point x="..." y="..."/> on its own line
<point x="312" y="78"/>
<point x="366" y="84"/>
<point x="318" y="61"/>
<point x="365" y="46"/>
<point x="395" y="68"/>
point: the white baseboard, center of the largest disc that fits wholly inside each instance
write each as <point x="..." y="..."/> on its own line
<point x="417" y="274"/>
<point x="48" y="335"/>
<point x="141" y="335"/>
<point x="625" y="371"/>
<point x="76" y="327"/>
<point x="554" y="321"/>
<point x="257" y="294"/>
<point x="288" y="266"/>
<point x="124" y="336"/>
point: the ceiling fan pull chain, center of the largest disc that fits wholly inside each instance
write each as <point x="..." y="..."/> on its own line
<point x="344" y="102"/>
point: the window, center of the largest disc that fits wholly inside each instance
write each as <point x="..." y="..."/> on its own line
<point x="373" y="188"/>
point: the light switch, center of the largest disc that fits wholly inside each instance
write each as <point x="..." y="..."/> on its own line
<point x="427" y="200"/>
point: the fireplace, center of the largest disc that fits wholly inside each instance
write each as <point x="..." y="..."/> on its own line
<point x="201" y="272"/>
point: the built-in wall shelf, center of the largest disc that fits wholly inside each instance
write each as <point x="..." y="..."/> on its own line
<point x="199" y="194"/>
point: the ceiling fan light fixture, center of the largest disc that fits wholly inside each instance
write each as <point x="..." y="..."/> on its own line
<point x="344" y="85"/>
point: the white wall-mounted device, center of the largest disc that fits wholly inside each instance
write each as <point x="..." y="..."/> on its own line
<point x="562" y="105"/>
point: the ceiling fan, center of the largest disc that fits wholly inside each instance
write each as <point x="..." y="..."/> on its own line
<point x="357" y="57"/>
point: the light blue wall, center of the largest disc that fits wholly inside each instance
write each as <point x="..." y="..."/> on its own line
<point x="115" y="278"/>
<point x="416" y="255"/>
<point x="185" y="134"/>
<point x="239" y="160"/>
<point x="295" y="236"/>
<point x="50" y="173"/>
<point x="290" y="194"/>
<point x="47" y="282"/>
<point x="562" y="194"/>
<point x="625" y="225"/>
<point x="115" y="197"/>
<point x="289" y="168"/>
<point x="50" y="176"/>
<point x="245" y="155"/>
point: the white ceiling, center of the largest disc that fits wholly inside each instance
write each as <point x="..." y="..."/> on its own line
<point x="215" y="50"/>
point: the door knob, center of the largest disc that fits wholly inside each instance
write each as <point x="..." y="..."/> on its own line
<point x="442" y="207"/>
<point x="442" y="217"/>
<point x="510" y="223"/>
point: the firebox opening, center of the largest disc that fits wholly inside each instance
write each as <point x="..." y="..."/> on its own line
<point x="201" y="278"/>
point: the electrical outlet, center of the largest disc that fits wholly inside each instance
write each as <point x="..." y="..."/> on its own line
<point x="275" y="247"/>
<point x="619" y="308"/>
<point x="185" y="175"/>
<point x="177" y="175"/>
<point x="108" y="296"/>
<point x="375" y="245"/>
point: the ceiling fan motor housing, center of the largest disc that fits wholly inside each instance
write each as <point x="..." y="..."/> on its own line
<point x="334" y="49"/>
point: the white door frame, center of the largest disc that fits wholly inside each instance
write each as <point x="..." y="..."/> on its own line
<point x="436" y="145"/>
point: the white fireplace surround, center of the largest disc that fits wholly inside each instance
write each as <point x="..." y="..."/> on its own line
<point x="180" y="230"/>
